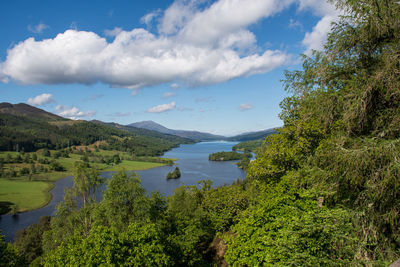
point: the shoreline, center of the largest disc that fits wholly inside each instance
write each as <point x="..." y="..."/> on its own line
<point x="51" y="182"/>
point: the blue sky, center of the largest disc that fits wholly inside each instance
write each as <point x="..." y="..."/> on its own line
<point x="212" y="66"/>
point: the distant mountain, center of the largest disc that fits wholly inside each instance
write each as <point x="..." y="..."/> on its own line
<point x="22" y="109"/>
<point x="252" y="135"/>
<point x="147" y="132"/>
<point x="151" y="125"/>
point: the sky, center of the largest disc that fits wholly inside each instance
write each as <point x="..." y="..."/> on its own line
<point x="212" y="66"/>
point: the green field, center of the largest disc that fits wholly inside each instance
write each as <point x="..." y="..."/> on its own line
<point x="31" y="191"/>
<point x="128" y="165"/>
<point x="26" y="195"/>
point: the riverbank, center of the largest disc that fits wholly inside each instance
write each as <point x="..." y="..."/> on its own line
<point x="31" y="191"/>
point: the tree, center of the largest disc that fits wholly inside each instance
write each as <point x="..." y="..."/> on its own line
<point x="86" y="182"/>
<point x="29" y="241"/>
<point x="124" y="201"/>
<point x="142" y="244"/>
<point x="9" y="255"/>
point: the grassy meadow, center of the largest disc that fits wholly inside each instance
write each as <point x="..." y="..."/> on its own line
<point x="27" y="178"/>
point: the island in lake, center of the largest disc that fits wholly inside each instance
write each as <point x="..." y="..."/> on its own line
<point x="174" y="174"/>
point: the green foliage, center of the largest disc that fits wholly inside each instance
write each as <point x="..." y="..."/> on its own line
<point x="9" y="255"/>
<point x="29" y="241"/>
<point x="174" y="174"/>
<point x="248" y="146"/>
<point x="124" y="201"/>
<point x="340" y="138"/>
<point x="140" y="245"/>
<point x="289" y="229"/>
<point x="32" y="133"/>
<point x="225" y="156"/>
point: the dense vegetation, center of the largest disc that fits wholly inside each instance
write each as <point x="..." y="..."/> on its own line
<point x="323" y="191"/>
<point x="175" y="174"/>
<point x="248" y="146"/>
<point x="23" y="133"/>
<point x="224" y="156"/>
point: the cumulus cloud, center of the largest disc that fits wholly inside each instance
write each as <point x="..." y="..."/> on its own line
<point x="162" y="108"/>
<point x="41" y="100"/>
<point x="196" y="45"/>
<point x="37" y="28"/>
<point x="73" y="112"/>
<point x="244" y="107"/>
<point x="168" y="94"/>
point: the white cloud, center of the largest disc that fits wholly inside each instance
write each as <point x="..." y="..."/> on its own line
<point x="73" y="112"/>
<point x="41" y="100"/>
<point x="316" y="39"/>
<point x="162" y="108"/>
<point x="318" y="7"/>
<point x="197" y="45"/>
<point x="244" y="107"/>
<point x="37" y="28"/>
<point x="148" y="18"/>
<point x="114" y="32"/>
<point x="168" y="94"/>
<point x="227" y="17"/>
<point x="177" y="15"/>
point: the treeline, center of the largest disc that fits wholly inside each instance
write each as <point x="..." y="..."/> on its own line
<point x="225" y="156"/>
<point x="248" y="146"/>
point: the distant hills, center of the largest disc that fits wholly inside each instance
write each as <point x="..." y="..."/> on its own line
<point x="151" y="125"/>
<point x="32" y="128"/>
<point x="252" y="135"/>
<point x="29" y="128"/>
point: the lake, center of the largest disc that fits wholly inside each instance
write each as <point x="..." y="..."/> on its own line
<point x="194" y="166"/>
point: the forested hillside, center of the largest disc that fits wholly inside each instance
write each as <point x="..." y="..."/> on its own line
<point x="27" y="128"/>
<point x="323" y="191"/>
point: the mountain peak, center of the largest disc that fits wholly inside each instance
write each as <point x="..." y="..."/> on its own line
<point x="23" y="109"/>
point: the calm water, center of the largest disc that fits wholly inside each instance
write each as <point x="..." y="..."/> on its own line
<point x="194" y="166"/>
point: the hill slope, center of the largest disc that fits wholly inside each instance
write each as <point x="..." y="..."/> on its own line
<point x="151" y="125"/>
<point x="22" y="109"/>
<point x="252" y="135"/>
<point x="29" y="128"/>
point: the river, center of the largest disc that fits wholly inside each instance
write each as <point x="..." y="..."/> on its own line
<point x="194" y="166"/>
